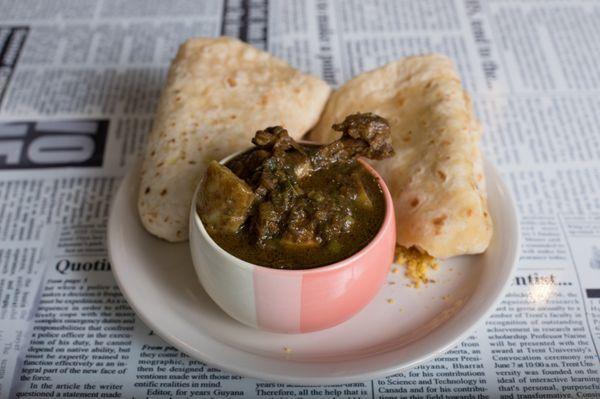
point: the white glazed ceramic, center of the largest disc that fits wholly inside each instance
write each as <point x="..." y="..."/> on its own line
<point x="293" y="301"/>
<point x="158" y="280"/>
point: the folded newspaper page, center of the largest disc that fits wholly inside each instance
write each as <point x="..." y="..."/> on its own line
<point x="79" y="83"/>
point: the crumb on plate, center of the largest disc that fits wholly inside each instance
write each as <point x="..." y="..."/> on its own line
<point x="391" y="301"/>
<point x="287" y="349"/>
<point x="417" y="264"/>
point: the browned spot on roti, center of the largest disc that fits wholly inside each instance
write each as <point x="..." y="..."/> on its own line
<point x="439" y="221"/>
<point x="469" y="212"/>
<point x="231" y="82"/>
<point x="442" y="175"/>
<point x="147" y="190"/>
<point x="192" y="162"/>
<point x="163" y="192"/>
<point x="414" y="202"/>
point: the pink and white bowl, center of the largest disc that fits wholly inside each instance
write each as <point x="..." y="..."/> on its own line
<point x="293" y="301"/>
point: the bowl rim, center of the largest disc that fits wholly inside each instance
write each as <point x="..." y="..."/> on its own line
<point x="387" y="227"/>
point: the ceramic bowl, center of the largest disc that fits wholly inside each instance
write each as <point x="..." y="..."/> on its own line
<point x="293" y="301"/>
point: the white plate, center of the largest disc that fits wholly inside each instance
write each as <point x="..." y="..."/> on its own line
<point x="401" y="328"/>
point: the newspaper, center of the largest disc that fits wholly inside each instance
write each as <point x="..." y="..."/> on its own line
<point x="79" y="81"/>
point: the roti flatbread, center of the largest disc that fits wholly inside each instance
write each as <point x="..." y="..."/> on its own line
<point x="219" y="92"/>
<point x="436" y="177"/>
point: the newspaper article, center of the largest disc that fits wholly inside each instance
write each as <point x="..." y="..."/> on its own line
<point x="79" y="82"/>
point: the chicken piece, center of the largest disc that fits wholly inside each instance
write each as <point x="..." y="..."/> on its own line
<point x="299" y="163"/>
<point x="366" y="135"/>
<point x="267" y="223"/>
<point x="369" y="129"/>
<point x="225" y="200"/>
<point x="301" y="227"/>
<point x="288" y="161"/>
<point x="276" y="139"/>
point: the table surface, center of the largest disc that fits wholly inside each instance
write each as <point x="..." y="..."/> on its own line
<point x="79" y="83"/>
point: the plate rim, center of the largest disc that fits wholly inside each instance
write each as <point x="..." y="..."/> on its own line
<point x="264" y="375"/>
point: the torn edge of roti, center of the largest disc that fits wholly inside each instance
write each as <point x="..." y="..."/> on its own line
<point x="436" y="177"/>
<point x="218" y="93"/>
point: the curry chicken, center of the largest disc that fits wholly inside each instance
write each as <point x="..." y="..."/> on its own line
<point x="288" y="205"/>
